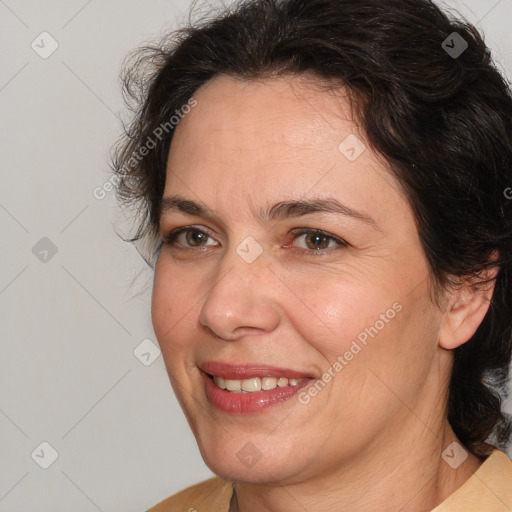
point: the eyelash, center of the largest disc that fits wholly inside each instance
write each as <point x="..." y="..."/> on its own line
<point x="170" y="239"/>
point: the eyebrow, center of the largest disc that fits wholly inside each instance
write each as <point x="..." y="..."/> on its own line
<point x="278" y="211"/>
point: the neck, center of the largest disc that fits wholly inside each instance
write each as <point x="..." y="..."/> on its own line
<point x="407" y="474"/>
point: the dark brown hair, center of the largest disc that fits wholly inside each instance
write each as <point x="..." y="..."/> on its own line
<point x="430" y="101"/>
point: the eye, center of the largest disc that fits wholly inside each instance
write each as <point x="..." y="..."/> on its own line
<point x="188" y="237"/>
<point x="312" y="241"/>
<point x="317" y="241"/>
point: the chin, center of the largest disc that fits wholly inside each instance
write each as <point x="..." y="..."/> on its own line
<point x="249" y="459"/>
<point x="270" y="472"/>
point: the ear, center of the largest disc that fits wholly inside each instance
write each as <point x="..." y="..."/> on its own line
<point x="466" y="307"/>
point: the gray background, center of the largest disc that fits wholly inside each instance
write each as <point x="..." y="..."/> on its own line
<point x="70" y="321"/>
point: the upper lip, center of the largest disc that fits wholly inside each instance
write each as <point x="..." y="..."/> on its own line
<point x="246" y="371"/>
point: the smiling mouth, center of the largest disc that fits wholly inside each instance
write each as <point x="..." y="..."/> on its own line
<point x="249" y="396"/>
<point x="250" y="388"/>
<point x="254" y="384"/>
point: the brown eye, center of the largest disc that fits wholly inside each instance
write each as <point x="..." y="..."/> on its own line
<point x="188" y="238"/>
<point x="317" y="241"/>
<point x="196" y="238"/>
<point x="313" y="240"/>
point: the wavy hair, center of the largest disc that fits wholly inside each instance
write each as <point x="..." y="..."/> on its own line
<point x="438" y="112"/>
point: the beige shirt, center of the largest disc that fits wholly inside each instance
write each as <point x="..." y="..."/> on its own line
<point x="487" y="490"/>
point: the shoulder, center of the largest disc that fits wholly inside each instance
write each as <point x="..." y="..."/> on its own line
<point x="213" y="495"/>
<point x="488" y="490"/>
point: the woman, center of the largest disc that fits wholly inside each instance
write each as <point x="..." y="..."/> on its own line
<point x="321" y="192"/>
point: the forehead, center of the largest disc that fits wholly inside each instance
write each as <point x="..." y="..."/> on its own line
<point x="291" y="110"/>
<point x="285" y="136"/>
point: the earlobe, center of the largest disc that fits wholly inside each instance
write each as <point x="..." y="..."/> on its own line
<point x="465" y="311"/>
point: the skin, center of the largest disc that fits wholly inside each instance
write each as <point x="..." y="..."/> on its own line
<point x="372" y="438"/>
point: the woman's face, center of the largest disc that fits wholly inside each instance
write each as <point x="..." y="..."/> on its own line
<point x="302" y="259"/>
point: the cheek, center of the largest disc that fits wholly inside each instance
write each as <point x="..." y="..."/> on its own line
<point x="337" y="312"/>
<point x="171" y="308"/>
<point x="378" y="347"/>
<point x="361" y="330"/>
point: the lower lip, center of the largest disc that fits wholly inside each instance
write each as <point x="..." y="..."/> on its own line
<point x="249" y="403"/>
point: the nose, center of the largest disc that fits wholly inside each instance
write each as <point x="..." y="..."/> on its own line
<point x="240" y="301"/>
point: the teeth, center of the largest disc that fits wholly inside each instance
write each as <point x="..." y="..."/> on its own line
<point x="254" y="384"/>
<point x="233" y="385"/>
<point x="268" y="383"/>
<point x="251" y="385"/>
